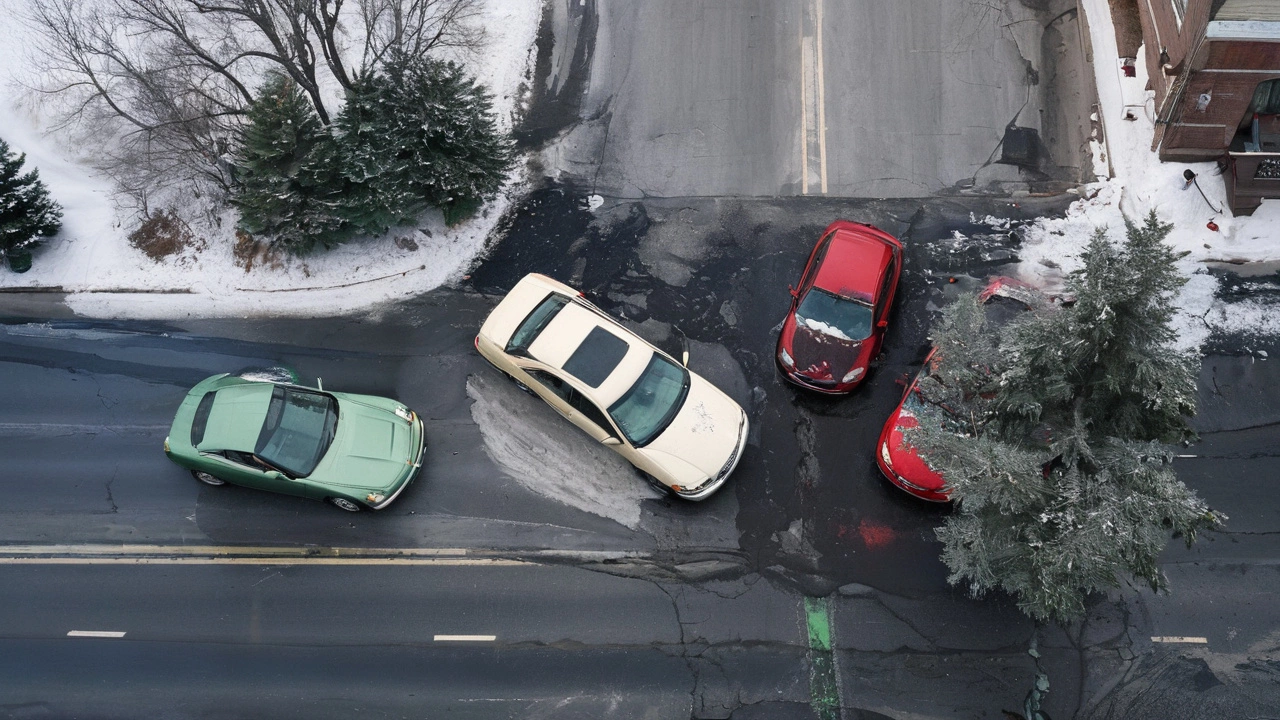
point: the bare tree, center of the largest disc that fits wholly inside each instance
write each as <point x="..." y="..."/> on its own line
<point x="177" y="76"/>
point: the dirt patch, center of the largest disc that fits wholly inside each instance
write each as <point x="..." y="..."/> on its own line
<point x="250" y="252"/>
<point x="164" y="234"/>
<point x="1128" y="24"/>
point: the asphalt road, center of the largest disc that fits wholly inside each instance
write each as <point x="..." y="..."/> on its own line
<point x="808" y="583"/>
<point x="858" y="99"/>
<point x="617" y="582"/>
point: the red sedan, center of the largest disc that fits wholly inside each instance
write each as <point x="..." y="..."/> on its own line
<point x="898" y="460"/>
<point x="1003" y="299"/>
<point x="840" y="311"/>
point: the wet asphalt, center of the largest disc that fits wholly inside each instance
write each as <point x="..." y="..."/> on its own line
<point x="626" y="605"/>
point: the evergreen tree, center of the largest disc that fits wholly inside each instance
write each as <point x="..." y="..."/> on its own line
<point x="416" y="134"/>
<point x="1052" y="445"/>
<point x="27" y="213"/>
<point x="288" y="184"/>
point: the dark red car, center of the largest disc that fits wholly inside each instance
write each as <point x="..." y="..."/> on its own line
<point x="840" y="310"/>
<point x="1002" y="299"/>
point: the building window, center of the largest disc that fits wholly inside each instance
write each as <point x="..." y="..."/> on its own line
<point x="1266" y="99"/>
<point x="1179" y="10"/>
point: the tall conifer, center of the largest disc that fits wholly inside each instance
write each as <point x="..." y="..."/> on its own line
<point x="1052" y="446"/>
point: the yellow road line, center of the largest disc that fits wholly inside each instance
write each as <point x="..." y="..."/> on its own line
<point x="812" y="98"/>
<point x="107" y="554"/>
<point x="198" y="560"/>
<point x="822" y="103"/>
<point x="224" y="550"/>
<point x="1180" y="639"/>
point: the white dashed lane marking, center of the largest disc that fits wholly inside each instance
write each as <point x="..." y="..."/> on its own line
<point x="95" y="633"/>
<point x="466" y="638"/>
<point x="1179" y="639"/>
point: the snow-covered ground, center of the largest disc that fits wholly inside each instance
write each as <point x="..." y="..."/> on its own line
<point x="92" y="258"/>
<point x="1141" y="183"/>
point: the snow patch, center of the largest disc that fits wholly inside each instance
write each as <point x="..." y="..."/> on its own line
<point x="820" y="327"/>
<point x="1051" y="246"/>
<point x="92" y="259"/>
<point x="550" y="456"/>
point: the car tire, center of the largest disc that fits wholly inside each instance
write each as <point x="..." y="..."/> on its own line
<point x="519" y="384"/>
<point x="206" y="478"/>
<point x="344" y="504"/>
<point x="662" y="488"/>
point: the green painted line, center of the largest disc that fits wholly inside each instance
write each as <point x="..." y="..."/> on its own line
<point x="824" y="685"/>
<point x="819" y="623"/>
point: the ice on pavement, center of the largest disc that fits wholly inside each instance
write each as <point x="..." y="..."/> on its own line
<point x="550" y="456"/>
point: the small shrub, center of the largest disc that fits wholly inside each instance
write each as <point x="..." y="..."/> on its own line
<point x="162" y="235"/>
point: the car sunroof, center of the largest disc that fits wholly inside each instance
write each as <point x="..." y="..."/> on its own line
<point x="597" y="356"/>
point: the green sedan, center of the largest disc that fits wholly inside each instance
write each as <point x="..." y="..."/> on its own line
<point x="353" y="451"/>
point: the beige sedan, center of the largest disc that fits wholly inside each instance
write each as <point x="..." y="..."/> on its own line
<point x="679" y="430"/>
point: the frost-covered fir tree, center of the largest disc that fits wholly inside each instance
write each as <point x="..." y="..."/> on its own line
<point x="419" y="133"/>
<point x="27" y="214"/>
<point x="1052" y="443"/>
<point x="287" y="181"/>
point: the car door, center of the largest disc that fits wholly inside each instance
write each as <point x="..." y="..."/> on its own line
<point x="884" y="301"/>
<point x="245" y="469"/>
<point x="573" y="405"/>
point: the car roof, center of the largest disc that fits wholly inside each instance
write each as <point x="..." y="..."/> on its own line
<point x="565" y="334"/>
<point x="853" y="264"/>
<point x="236" y="417"/>
<point x="518" y="303"/>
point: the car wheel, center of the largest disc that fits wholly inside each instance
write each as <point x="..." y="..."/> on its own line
<point x="519" y="384"/>
<point x="206" y="478"/>
<point x="662" y="488"/>
<point x="344" y="504"/>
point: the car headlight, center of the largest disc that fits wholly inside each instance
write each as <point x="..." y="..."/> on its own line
<point x="854" y="374"/>
<point x="785" y="357"/>
<point x="166" y="445"/>
<point x="884" y="454"/>
<point x="375" y="498"/>
<point x="404" y="413"/>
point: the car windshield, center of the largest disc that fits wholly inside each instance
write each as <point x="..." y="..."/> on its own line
<point x="652" y="402"/>
<point x="825" y="313"/>
<point x="298" y="430"/>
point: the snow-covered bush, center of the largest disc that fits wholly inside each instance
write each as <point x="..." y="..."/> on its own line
<point x="419" y="133"/>
<point x="1051" y="436"/>
<point x="415" y="135"/>
<point x="27" y="214"/>
<point x="286" y="184"/>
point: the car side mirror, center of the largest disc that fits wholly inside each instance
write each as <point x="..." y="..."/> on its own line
<point x="320" y="384"/>
<point x="684" y="347"/>
<point x="611" y="441"/>
<point x="882" y="324"/>
<point x="794" y="293"/>
<point x="275" y="475"/>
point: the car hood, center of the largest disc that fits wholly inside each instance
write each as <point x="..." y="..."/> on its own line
<point x="819" y="355"/>
<point x="703" y="434"/>
<point x="906" y="462"/>
<point x="370" y="450"/>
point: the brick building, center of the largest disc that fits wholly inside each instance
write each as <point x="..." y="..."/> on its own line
<point x="1215" y="69"/>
